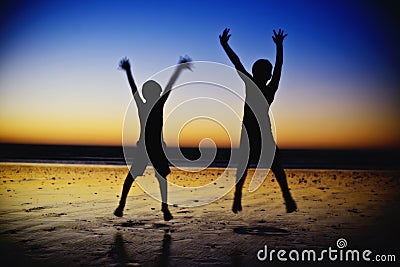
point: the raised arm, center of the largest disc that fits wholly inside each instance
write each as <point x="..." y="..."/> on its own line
<point x="126" y="66"/>
<point x="184" y="63"/>
<point x="223" y="39"/>
<point x="276" y="75"/>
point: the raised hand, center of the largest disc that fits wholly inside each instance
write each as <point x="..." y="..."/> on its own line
<point x="124" y="64"/>
<point x="185" y="62"/>
<point x="278" y="37"/>
<point x="224" y="38"/>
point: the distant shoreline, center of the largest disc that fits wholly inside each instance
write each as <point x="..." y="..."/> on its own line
<point x="292" y="158"/>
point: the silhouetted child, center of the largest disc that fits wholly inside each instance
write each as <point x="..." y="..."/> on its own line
<point x="261" y="70"/>
<point x="150" y="146"/>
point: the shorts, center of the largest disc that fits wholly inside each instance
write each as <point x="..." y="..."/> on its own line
<point x="154" y="154"/>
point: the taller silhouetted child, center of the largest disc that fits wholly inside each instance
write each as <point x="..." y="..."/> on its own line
<point x="266" y="79"/>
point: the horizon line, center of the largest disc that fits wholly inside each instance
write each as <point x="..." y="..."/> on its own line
<point x="194" y="147"/>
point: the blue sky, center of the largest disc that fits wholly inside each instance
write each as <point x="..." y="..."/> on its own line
<point x="58" y="64"/>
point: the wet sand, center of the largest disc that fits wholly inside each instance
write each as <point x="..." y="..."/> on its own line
<point x="61" y="215"/>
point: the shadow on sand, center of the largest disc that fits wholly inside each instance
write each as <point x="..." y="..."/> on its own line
<point x="121" y="258"/>
<point x="260" y="230"/>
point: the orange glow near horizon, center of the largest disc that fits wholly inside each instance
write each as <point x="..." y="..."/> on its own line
<point x="293" y="131"/>
<point x="323" y="123"/>
<point x="191" y="136"/>
<point x="57" y="131"/>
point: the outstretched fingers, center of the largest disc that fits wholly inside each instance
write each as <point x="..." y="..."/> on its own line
<point x="224" y="38"/>
<point x="281" y="33"/>
<point x="278" y="37"/>
<point x="184" y="59"/>
<point x="186" y="62"/>
<point x="226" y="32"/>
<point x="124" y="63"/>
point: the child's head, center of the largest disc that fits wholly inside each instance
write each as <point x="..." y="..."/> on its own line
<point x="151" y="91"/>
<point x="262" y="70"/>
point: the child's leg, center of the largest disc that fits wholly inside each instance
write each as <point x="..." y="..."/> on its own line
<point x="125" y="190"/>
<point x="163" y="190"/>
<point x="241" y="170"/>
<point x="241" y="174"/>
<point x="280" y="175"/>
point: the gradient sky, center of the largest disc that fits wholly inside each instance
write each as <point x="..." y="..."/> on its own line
<point x="59" y="82"/>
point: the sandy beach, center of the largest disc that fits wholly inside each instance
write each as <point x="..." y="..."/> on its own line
<point x="61" y="215"/>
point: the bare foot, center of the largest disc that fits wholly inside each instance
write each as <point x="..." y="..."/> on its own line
<point x="167" y="215"/>
<point x="119" y="212"/>
<point x="237" y="205"/>
<point x="290" y="205"/>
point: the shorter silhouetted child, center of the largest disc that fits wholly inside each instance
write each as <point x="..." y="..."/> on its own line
<point x="150" y="146"/>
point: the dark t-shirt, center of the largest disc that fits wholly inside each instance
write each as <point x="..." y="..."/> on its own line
<point x="151" y="123"/>
<point x="256" y="123"/>
<point x="256" y="108"/>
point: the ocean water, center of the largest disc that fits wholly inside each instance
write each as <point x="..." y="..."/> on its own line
<point x="291" y="158"/>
